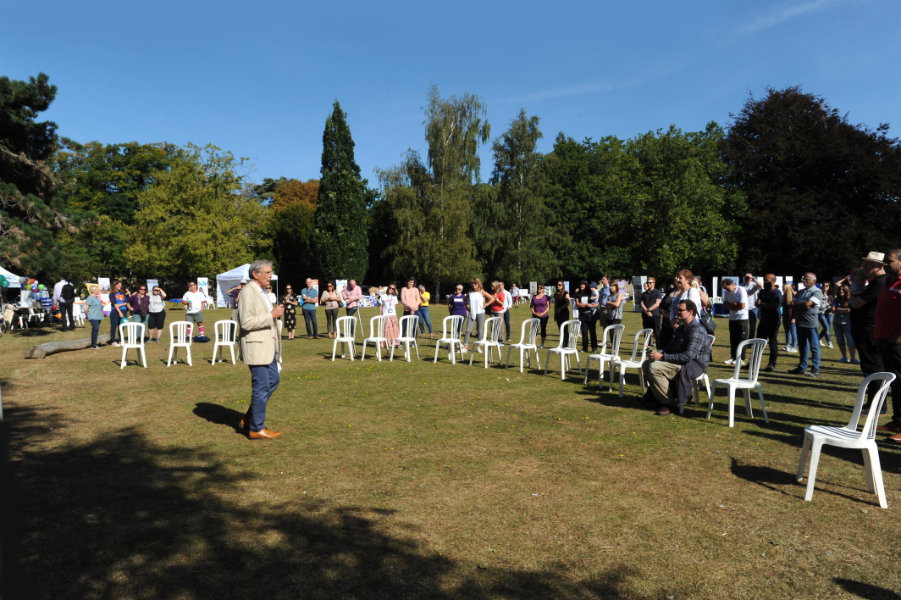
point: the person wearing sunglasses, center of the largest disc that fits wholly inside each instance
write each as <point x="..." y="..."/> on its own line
<point x="681" y="362"/>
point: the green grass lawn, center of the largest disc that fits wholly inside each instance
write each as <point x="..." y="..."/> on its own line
<point x="421" y="480"/>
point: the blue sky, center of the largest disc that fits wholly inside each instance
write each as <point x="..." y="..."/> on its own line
<point x="258" y="79"/>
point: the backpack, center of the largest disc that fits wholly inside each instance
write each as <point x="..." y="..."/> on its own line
<point x="68" y="292"/>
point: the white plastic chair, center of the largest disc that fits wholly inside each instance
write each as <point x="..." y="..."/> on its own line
<point x="737" y="382"/>
<point x="78" y="313"/>
<point x="526" y="344"/>
<point x="569" y="332"/>
<point x="816" y="436"/>
<point x="376" y="335"/>
<point x="347" y="334"/>
<point x="132" y="336"/>
<point x="180" y="337"/>
<point x="642" y="339"/>
<point x="452" y="328"/>
<point x="226" y="332"/>
<point x="491" y="335"/>
<point x="613" y="333"/>
<point x="696" y="391"/>
<point x="408" y="326"/>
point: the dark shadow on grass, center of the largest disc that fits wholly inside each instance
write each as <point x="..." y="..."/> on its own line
<point x="768" y="477"/>
<point x="220" y="415"/>
<point x="865" y="590"/>
<point x="120" y="516"/>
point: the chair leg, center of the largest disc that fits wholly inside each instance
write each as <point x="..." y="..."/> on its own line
<point x="710" y="402"/>
<point x="766" y="419"/>
<point x="805" y="450"/>
<point x="363" y="352"/>
<point x="748" y="408"/>
<point x="874" y="474"/>
<point x="171" y="350"/>
<point x="507" y="365"/>
<point x="143" y="356"/>
<point x="438" y="345"/>
<point x="731" y="406"/>
<point x="122" y="364"/>
<point x="815" y="447"/>
<point x="188" y="350"/>
<point x="335" y="349"/>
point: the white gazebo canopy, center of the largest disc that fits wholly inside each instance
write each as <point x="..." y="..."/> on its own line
<point x="12" y="278"/>
<point x="229" y="279"/>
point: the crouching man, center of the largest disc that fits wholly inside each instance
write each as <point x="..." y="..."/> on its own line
<point x="670" y="373"/>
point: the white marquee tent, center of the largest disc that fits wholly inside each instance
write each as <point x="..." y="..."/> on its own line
<point x="229" y="279"/>
<point x="12" y="278"/>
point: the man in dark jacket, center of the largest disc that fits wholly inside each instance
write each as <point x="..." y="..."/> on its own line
<point x="671" y="373"/>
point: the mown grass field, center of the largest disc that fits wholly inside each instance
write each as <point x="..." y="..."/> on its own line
<point x="422" y="480"/>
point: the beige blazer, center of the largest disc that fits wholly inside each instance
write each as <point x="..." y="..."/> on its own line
<point x="258" y="340"/>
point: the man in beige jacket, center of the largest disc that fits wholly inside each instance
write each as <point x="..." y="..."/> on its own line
<point x="260" y="346"/>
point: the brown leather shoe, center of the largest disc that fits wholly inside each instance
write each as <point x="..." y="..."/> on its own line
<point x="895" y="438"/>
<point x="890" y="427"/>
<point x="263" y="434"/>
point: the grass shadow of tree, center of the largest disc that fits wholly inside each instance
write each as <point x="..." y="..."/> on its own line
<point x="120" y="516"/>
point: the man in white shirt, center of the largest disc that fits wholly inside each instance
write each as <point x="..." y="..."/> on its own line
<point x="193" y="301"/>
<point x="508" y="304"/>
<point x="752" y="287"/>
<point x="735" y="298"/>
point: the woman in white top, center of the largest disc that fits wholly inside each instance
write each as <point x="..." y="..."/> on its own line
<point x="477" y="299"/>
<point x="388" y="308"/>
<point x="684" y="291"/>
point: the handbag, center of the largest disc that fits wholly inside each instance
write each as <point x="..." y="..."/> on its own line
<point x="125" y="320"/>
<point x="707" y="321"/>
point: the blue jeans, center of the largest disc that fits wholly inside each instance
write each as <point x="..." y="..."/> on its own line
<point x="95" y="329"/>
<point x="809" y="341"/>
<point x="826" y="322"/>
<point x="791" y="333"/>
<point x="263" y="382"/>
<point x="424" y="319"/>
<point x="309" y="320"/>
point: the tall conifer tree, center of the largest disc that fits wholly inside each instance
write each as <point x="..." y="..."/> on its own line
<point x="339" y="231"/>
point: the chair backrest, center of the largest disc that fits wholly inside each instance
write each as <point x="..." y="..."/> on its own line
<point x="179" y="332"/>
<point x="883" y="380"/>
<point x="408" y="325"/>
<point x="377" y="326"/>
<point x="754" y="357"/>
<point x="615" y="334"/>
<point x="492" y="330"/>
<point x="529" y="332"/>
<point x="643" y="343"/>
<point x="347" y="327"/>
<point x="712" y="339"/>
<point x="132" y="334"/>
<point x="226" y="331"/>
<point x="453" y="327"/>
<point x="569" y="332"/>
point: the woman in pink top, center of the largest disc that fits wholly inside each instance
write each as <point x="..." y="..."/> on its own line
<point x="409" y="297"/>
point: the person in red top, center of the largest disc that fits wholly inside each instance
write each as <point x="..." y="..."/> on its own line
<point x="888" y="334"/>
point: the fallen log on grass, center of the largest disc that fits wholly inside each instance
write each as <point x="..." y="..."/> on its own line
<point x="43" y="350"/>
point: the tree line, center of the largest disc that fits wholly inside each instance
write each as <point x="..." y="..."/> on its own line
<point x="790" y="186"/>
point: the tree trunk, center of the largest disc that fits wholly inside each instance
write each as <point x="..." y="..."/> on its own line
<point x="53" y="347"/>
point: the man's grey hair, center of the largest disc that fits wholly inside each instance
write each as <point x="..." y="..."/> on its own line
<point x="257" y="266"/>
<point x="812" y="276"/>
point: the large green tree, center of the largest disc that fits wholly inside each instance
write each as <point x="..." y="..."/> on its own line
<point x="30" y="213"/>
<point x="521" y="233"/>
<point x="432" y="202"/>
<point x="820" y="190"/>
<point x="195" y="219"/>
<point x="339" y="233"/>
<point x="100" y="183"/>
